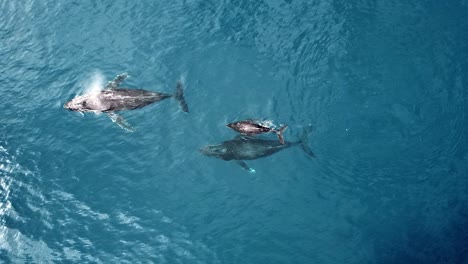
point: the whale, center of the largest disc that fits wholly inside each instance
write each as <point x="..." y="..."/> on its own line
<point x="251" y="127"/>
<point x="243" y="148"/>
<point x="112" y="99"/>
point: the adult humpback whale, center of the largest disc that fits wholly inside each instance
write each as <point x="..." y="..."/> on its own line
<point x="112" y="99"/>
<point x="247" y="148"/>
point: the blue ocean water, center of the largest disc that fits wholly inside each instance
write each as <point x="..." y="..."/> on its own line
<point x="383" y="83"/>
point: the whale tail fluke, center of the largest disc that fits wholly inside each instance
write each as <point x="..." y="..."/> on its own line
<point x="279" y="133"/>
<point x="179" y="96"/>
<point x="305" y="142"/>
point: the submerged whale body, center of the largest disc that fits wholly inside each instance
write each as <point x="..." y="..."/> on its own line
<point x="247" y="148"/>
<point x="112" y="99"/>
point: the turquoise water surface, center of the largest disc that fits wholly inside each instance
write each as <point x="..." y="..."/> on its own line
<point x="382" y="83"/>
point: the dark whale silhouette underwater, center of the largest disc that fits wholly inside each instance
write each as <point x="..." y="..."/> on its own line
<point x="248" y="148"/>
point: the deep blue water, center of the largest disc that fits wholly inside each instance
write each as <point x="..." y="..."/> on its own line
<point x="383" y="83"/>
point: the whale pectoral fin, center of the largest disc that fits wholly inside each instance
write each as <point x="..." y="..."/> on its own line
<point x="120" y="121"/>
<point x="116" y="81"/>
<point x="245" y="166"/>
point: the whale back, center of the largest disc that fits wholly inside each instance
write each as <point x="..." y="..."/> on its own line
<point x="245" y="148"/>
<point x="128" y="99"/>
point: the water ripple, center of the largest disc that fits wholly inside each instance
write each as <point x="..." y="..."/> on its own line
<point x="382" y="83"/>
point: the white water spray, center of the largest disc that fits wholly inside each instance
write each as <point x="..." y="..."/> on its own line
<point x="92" y="87"/>
<point x="267" y="123"/>
<point x="94" y="84"/>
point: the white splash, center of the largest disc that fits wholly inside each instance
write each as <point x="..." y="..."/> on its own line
<point x="92" y="87"/>
<point x="267" y="123"/>
<point x="183" y="77"/>
<point x="94" y="84"/>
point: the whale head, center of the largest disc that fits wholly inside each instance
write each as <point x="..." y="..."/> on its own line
<point x="77" y="104"/>
<point x="90" y="102"/>
<point x="235" y="125"/>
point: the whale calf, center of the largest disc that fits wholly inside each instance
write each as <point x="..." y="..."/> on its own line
<point x="252" y="127"/>
<point x="113" y="99"/>
<point x="247" y="148"/>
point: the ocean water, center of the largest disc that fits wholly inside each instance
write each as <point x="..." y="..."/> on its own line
<point x="382" y="83"/>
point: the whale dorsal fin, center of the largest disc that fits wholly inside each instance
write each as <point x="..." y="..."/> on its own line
<point x="120" y="121"/>
<point x="116" y="81"/>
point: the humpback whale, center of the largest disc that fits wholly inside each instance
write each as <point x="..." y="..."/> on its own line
<point x="252" y="127"/>
<point x="112" y="99"/>
<point x="247" y="148"/>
